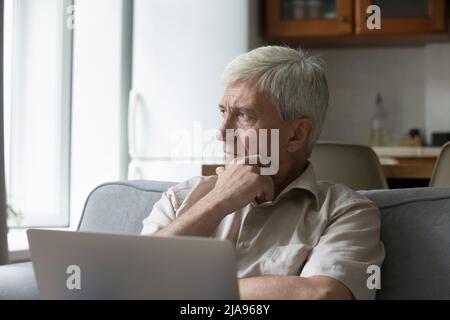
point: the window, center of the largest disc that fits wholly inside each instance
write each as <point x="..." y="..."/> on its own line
<point x="37" y="112"/>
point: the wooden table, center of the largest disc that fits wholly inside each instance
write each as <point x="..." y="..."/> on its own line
<point x="408" y="162"/>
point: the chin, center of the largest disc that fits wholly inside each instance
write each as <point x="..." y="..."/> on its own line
<point x="228" y="157"/>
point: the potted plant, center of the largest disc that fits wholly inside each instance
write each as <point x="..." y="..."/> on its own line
<point x="15" y="217"/>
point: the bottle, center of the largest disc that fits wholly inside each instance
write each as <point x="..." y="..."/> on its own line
<point x="315" y="9"/>
<point x="378" y="131"/>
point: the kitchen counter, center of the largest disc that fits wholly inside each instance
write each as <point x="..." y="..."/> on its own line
<point x="407" y="152"/>
<point x="407" y="162"/>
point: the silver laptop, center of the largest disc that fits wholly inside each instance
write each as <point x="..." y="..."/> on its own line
<point x="78" y="265"/>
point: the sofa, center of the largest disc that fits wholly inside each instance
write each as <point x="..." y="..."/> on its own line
<point x="415" y="231"/>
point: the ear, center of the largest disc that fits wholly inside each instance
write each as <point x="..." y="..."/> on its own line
<point x="300" y="132"/>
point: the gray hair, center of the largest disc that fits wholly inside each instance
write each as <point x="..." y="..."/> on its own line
<point x="294" y="80"/>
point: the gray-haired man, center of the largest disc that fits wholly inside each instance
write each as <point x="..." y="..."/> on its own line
<point x="295" y="238"/>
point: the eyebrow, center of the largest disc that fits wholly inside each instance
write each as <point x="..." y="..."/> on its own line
<point x="240" y="108"/>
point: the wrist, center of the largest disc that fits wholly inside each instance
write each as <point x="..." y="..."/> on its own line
<point x="215" y="205"/>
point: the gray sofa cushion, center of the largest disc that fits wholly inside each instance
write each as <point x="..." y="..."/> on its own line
<point x="415" y="230"/>
<point x="17" y="282"/>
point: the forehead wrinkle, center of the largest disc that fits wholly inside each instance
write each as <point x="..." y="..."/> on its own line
<point x="235" y="101"/>
<point x="239" y="98"/>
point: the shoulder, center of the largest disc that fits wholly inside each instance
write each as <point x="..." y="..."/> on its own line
<point x="341" y="200"/>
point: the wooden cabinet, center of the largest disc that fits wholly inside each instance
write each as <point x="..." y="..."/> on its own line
<point x="300" y="19"/>
<point x="403" y="17"/>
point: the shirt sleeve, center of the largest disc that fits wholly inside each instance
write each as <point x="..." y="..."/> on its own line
<point x="348" y="246"/>
<point x="162" y="214"/>
<point x="174" y="201"/>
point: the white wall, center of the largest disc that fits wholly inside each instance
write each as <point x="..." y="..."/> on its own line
<point x="414" y="82"/>
<point x="356" y="75"/>
<point x="180" y="49"/>
<point x="437" y="84"/>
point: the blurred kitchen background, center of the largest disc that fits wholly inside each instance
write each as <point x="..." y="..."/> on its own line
<point x="109" y="90"/>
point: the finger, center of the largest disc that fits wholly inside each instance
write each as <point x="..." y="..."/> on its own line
<point x="250" y="160"/>
<point x="253" y="160"/>
<point x="244" y="161"/>
<point x="220" y="170"/>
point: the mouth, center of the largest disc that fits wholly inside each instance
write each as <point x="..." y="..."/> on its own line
<point x="232" y="155"/>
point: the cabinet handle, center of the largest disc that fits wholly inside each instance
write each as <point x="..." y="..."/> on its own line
<point x="343" y="19"/>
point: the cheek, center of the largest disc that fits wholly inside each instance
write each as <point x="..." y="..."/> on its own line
<point x="282" y="140"/>
<point x="250" y="140"/>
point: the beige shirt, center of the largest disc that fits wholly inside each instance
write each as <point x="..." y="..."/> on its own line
<point x="311" y="229"/>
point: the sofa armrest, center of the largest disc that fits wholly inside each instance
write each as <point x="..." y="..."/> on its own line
<point x="120" y="207"/>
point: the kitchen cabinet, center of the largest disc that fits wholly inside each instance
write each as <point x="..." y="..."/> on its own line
<point x="403" y="17"/>
<point x="335" y="19"/>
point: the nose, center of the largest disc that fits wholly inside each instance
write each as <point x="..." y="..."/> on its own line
<point x="226" y="124"/>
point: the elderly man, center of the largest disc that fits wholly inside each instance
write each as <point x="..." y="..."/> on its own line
<point x="295" y="238"/>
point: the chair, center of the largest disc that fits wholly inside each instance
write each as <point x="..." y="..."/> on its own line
<point x="356" y="166"/>
<point x="441" y="172"/>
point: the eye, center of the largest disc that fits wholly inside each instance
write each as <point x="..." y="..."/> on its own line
<point x="244" y="116"/>
<point x="222" y="112"/>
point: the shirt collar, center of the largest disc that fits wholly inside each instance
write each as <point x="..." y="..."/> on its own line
<point x="305" y="181"/>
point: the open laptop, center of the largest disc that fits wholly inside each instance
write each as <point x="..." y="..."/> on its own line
<point x="79" y="265"/>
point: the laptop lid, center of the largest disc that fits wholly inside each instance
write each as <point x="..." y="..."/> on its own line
<point x="79" y="265"/>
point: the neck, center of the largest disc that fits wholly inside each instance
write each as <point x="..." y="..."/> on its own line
<point x="288" y="173"/>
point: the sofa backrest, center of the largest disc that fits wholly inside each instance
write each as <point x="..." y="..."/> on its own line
<point x="415" y="231"/>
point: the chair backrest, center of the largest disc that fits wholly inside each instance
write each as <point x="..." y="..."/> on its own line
<point x="441" y="172"/>
<point x="356" y="166"/>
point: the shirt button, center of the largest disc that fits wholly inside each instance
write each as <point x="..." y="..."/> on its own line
<point x="246" y="245"/>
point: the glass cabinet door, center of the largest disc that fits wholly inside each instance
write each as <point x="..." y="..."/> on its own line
<point x="308" y="9"/>
<point x="403" y="16"/>
<point x="308" y="18"/>
<point x="403" y="8"/>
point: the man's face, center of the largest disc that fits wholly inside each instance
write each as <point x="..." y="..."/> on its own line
<point x="247" y="111"/>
